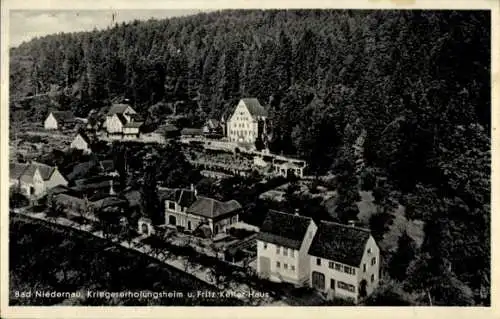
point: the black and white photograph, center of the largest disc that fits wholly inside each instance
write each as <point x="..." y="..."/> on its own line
<point x="284" y="157"/>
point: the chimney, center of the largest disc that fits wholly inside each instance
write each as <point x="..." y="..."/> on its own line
<point x="351" y="223"/>
<point x="111" y="190"/>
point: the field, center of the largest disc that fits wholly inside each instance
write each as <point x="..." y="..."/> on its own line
<point x="43" y="259"/>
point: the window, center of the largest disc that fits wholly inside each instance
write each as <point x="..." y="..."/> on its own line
<point x="331" y="264"/>
<point x="338" y="267"/>
<point x="318" y="261"/>
<point x="278" y="265"/>
<point x="343" y="285"/>
<point x="369" y="250"/>
<point x="374" y="261"/>
<point x="285" y="251"/>
<point x="285" y="266"/>
<point x="277" y="249"/>
<point x="171" y="205"/>
<point x="332" y="284"/>
<point x="364" y="267"/>
<point x="292" y="267"/>
<point x="292" y="252"/>
<point x="265" y="245"/>
<point x="349" y="270"/>
<point x="373" y="278"/>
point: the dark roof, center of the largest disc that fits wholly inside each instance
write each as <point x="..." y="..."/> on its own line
<point x="107" y="166"/>
<point x="81" y="169"/>
<point x="212" y="208"/>
<point x="16" y="170"/>
<point x="254" y="107"/>
<point x="110" y="201"/>
<point x="342" y="243"/>
<point x="169" y="128"/>
<point x="133" y="197"/>
<point x="137" y="117"/>
<point x="212" y="123"/>
<point x="191" y="131"/>
<point x="183" y="197"/>
<point x="133" y="124"/>
<point x="284" y="229"/>
<point x="65" y="116"/>
<point x="59" y="189"/>
<point x="118" y="108"/>
<point x="25" y="172"/>
<point x="122" y="118"/>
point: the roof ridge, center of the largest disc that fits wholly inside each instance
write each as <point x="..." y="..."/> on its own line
<point x="345" y="226"/>
<point x="293" y="215"/>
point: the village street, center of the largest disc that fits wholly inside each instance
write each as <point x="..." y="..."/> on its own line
<point x="232" y="288"/>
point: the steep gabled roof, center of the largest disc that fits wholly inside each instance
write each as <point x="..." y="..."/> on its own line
<point x="342" y="243"/>
<point x="284" y="229"/>
<point x="64" y="116"/>
<point x="183" y="197"/>
<point x="26" y="172"/>
<point x="212" y="208"/>
<point x="118" y="108"/>
<point x="254" y="107"/>
<point x="85" y="137"/>
<point x="16" y="170"/>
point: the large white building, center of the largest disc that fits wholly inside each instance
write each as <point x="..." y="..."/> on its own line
<point x="247" y="121"/>
<point x="345" y="261"/>
<point x="282" y="246"/>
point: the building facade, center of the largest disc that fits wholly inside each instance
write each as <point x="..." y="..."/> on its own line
<point x="81" y="142"/>
<point x="58" y="120"/>
<point x="34" y="179"/>
<point x="282" y="247"/>
<point x="344" y="261"/>
<point x="247" y="122"/>
<point x="117" y="116"/>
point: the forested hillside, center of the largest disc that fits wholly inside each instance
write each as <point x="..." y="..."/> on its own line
<point x="416" y="82"/>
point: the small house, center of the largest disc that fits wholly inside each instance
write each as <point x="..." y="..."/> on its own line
<point x="214" y="216"/>
<point x="82" y="142"/>
<point x="34" y="179"/>
<point x="344" y="261"/>
<point x="57" y="120"/>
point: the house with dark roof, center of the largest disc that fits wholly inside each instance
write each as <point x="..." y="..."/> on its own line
<point x="211" y="216"/>
<point x="82" y="142"/>
<point x="177" y="201"/>
<point x="344" y="261"/>
<point x="282" y="247"/>
<point x="34" y="179"/>
<point x="118" y="116"/>
<point x="191" y="132"/>
<point x="58" y="120"/>
<point x="212" y="126"/>
<point x="247" y="122"/>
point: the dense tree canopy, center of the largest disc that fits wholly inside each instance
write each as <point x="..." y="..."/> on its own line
<point x="417" y="82"/>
